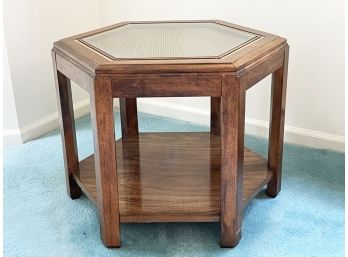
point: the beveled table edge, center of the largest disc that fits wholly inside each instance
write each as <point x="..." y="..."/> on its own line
<point x="94" y="62"/>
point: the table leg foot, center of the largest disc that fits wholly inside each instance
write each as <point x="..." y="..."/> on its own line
<point x="111" y="241"/>
<point x="74" y="189"/>
<point x="229" y="241"/>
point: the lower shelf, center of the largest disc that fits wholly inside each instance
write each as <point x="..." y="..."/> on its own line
<point x="172" y="177"/>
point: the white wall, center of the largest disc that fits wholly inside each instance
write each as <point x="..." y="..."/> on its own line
<point x="31" y="27"/>
<point x="10" y="122"/>
<point x="315" y="32"/>
<point x="10" y="114"/>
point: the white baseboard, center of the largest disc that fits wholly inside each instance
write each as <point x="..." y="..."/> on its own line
<point x="299" y="136"/>
<point x="12" y="137"/>
<point x="174" y="111"/>
<point x="294" y="135"/>
<point x="41" y="126"/>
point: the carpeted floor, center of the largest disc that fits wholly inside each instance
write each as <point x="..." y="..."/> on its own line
<point x="306" y="219"/>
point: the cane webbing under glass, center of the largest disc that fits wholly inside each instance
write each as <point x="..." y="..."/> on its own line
<point x="180" y="40"/>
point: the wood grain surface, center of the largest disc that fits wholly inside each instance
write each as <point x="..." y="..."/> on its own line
<point x="129" y="116"/>
<point x="276" y="131"/>
<point x="232" y="158"/>
<point x="172" y="177"/>
<point x="102" y="117"/>
<point x="96" y="63"/>
<point x="67" y="129"/>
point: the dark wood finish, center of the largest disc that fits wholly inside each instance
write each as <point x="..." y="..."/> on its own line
<point x="264" y="66"/>
<point x="80" y="77"/>
<point x="96" y="63"/>
<point x="67" y="128"/>
<point x="171" y="177"/>
<point x="232" y="158"/>
<point x="105" y="161"/>
<point x="129" y="116"/>
<point x="215" y="105"/>
<point x="162" y="179"/>
<point x="168" y="84"/>
<point x="276" y="132"/>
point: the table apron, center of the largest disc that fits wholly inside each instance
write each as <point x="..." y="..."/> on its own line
<point x="263" y="67"/>
<point x="166" y="85"/>
<point x="74" y="73"/>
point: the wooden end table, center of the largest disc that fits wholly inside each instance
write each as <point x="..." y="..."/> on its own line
<point x="171" y="177"/>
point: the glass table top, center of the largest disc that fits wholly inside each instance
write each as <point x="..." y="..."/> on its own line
<point x="172" y="40"/>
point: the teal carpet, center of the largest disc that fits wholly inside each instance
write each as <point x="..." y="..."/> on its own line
<point x="306" y="219"/>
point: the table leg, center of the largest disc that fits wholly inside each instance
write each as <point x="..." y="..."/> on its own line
<point x="129" y="116"/>
<point x="67" y="128"/>
<point x="276" y="132"/>
<point x="215" y="103"/>
<point x="232" y="158"/>
<point x="105" y="161"/>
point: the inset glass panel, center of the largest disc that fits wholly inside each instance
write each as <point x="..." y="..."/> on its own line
<point x="169" y="40"/>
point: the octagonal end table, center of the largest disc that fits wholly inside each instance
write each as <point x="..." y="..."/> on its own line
<point x="171" y="177"/>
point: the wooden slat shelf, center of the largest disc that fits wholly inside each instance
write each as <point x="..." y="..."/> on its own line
<point x="166" y="177"/>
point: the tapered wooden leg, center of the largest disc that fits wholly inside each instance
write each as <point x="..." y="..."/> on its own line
<point x="232" y="158"/>
<point x="105" y="161"/>
<point x="129" y="116"/>
<point x="215" y="115"/>
<point x="67" y="128"/>
<point x="276" y="132"/>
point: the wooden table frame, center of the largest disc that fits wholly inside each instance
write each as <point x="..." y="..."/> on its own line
<point x="225" y="81"/>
